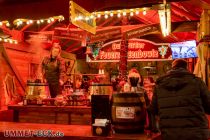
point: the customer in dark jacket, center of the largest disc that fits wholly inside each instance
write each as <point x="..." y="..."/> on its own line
<point x="182" y="101"/>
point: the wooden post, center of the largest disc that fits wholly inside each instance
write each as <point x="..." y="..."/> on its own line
<point x="208" y="66"/>
<point x="123" y="59"/>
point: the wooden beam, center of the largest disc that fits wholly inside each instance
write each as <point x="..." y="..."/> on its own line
<point x="25" y="27"/>
<point x="145" y="21"/>
<point x="187" y="14"/>
<point x="76" y="43"/>
<point x="185" y="26"/>
<point x="115" y="21"/>
<point x="48" y="25"/>
<point x="176" y="17"/>
<point x="6" y="30"/>
<point x="204" y="4"/>
<point x="75" y="49"/>
<point x="105" y="22"/>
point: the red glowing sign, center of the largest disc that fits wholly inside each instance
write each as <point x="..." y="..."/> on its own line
<point x="138" y="50"/>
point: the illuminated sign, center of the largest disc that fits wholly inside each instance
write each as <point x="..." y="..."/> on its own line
<point x="76" y="12"/>
<point x="138" y="50"/>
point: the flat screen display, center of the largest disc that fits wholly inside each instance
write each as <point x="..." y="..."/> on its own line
<point x="185" y="49"/>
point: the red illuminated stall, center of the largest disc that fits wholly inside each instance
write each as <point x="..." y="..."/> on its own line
<point x="101" y="43"/>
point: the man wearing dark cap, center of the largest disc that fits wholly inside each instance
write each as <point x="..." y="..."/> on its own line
<point x="181" y="100"/>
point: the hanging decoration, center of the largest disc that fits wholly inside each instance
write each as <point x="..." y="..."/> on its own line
<point x="163" y="50"/>
<point x="165" y="18"/>
<point x="19" y="22"/>
<point x="94" y="49"/>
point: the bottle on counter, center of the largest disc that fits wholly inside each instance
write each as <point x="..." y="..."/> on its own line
<point x="126" y="87"/>
<point x="39" y="101"/>
<point x="25" y="102"/>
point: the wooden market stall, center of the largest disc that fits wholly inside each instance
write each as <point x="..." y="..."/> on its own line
<point x="101" y="42"/>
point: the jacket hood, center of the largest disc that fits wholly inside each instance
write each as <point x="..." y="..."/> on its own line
<point x="174" y="79"/>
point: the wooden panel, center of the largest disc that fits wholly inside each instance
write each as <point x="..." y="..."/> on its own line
<point x="52" y="114"/>
<point x="62" y="118"/>
<point x="208" y="67"/>
<point x="80" y="118"/>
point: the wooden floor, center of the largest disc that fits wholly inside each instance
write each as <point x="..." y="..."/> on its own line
<point x="71" y="132"/>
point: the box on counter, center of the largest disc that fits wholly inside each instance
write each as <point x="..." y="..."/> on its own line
<point x="101" y="127"/>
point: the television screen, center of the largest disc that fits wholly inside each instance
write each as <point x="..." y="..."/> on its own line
<point x="185" y="49"/>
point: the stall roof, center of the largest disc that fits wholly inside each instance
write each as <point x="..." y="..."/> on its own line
<point x="184" y="15"/>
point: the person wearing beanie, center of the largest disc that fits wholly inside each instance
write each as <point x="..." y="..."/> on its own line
<point x="181" y="100"/>
<point x="179" y="63"/>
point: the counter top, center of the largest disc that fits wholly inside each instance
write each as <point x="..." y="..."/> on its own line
<point x="73" y="132"/>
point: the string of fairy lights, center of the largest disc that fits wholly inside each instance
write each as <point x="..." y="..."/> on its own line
<point x="8" y="40"/>
<point x="164" y="12"/>
<point x="111" y="13"/>
<point x="19" y="22"/>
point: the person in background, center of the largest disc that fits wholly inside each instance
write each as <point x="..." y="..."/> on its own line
<point x="53" y="69"/>
<point x="140" y="90"/>
<point x="182" y="101"/>
<point x="149" y="84"/>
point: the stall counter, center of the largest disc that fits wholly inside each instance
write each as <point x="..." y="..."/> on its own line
<point x="52" y="114"/>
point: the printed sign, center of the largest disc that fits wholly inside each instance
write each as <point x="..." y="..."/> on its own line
<point x="125" y="112"/>
<point x="62" y="33"/>
<point x="81" y="18"/>
<point x="138" y="50"/>
<point x="141" y="31"/>
<point x="43" y="37"/>
<point x="105" y="34"/>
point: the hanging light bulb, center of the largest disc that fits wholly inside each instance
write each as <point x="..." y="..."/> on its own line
<point x="91" y="16"/>
<point x="106" y="16"/>
<point x="38" y="22"/>
<point x="99" y="15"/>
<point x="41" y="20"/>
<point x="111" y="14"/>
<point x="137" y="11"/>
<point x="144" y="12"/>
<point x="80" y="18"/>
<point x="0" y="39"/>
<point x="30" y="21"/>
<point x="86" y="18"/>
<point x="7" y="24"/>
<point x="52" y="19"/>
<point x="119" y="13"/>
<point x="124" y="13"/>
<point x="131" y="14"/>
